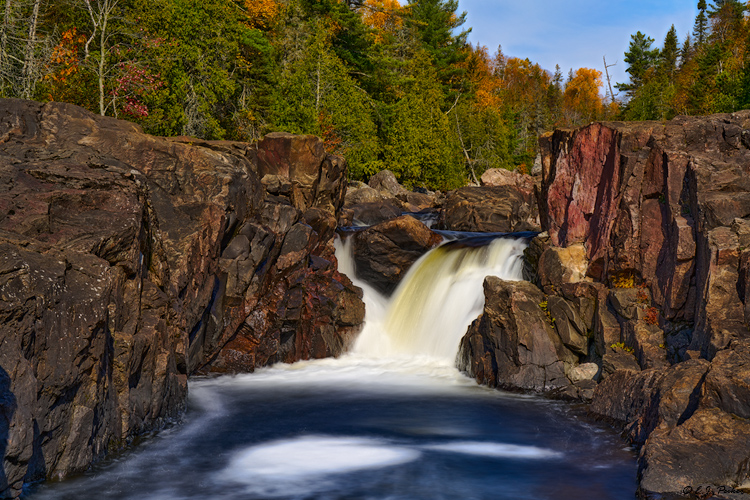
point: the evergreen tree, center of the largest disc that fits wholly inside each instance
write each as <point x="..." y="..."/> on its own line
<point x="435" y="22"/>
<point x="640" y="58"/>
<point x="669" y="54"/>
<point x="317" y="96"/>
<point x="700" y="28"/>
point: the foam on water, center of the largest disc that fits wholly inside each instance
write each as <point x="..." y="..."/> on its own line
<point x="496" y="450"/>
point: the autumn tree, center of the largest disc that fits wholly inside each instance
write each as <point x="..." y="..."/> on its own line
<point x="582" y="101"/>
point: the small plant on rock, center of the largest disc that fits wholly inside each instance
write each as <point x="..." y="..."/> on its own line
<point x="622" y="347"/>
<point x="623" y="279"/>
<point x="652" y="316"/>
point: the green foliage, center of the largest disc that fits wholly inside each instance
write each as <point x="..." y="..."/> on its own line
<point x="640" y="58"/>
<point x="317" y="96"/>
<point x="435" y="22"/>
<point x="417" y="140"/>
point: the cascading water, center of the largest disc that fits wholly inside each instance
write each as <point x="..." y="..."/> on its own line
<point x="392" y="420"/>
<point x="436" y="301"/>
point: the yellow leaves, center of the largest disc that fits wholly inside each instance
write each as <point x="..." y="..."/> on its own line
<point x="261" y="13"/>
<point x="581" y="98"/>
<point x="384" y="16"/>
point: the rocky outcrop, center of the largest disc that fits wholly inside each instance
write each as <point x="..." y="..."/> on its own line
<point x="665" y="204"/>
<point x="513" y="344"/>
<point x="384" y="253"/>
<point x="129" y="262"/>
<point x="500" y="209"/>
<point x="656" y="215"/>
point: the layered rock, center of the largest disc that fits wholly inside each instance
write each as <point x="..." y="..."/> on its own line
<point x="129" y="261"/>
<point x="383" y="199"/>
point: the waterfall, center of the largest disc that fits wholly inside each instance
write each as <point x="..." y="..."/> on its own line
<point x="435" y="302"/>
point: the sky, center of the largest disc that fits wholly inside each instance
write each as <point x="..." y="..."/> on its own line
<point x="574" y="33"/>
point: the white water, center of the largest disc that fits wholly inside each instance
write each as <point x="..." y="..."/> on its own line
<point x="436" y="301"/>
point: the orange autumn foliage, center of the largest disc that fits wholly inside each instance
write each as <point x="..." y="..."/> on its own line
<point x="64" y="66"/>
<point x="581" y="100"/>
<point x="261" y="13"/>
<point x="481" y="72"/>
<point x="383" y="16"/>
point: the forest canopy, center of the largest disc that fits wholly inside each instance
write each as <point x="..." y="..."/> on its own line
<point x="387" y="84"/>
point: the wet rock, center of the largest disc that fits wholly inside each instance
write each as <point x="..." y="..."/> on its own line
<point x="384" y="253"/>
<point x="513" y="344"/>
<point x="369" y="214"/>
<point x="489" y="209"/>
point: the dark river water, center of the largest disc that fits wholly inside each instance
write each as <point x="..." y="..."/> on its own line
<point x="364" y="429"/>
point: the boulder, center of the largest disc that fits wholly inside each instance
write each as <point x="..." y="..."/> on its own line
<point x="489" y="209"/>
<point x="557" y="266"/>
<point x="513" y="344"/>
<point x="384" y="253"/>
<point x="386" y="183"/>
<point x="495" y="177"/>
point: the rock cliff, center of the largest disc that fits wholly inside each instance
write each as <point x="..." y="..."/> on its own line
<point x="128" y="262"/>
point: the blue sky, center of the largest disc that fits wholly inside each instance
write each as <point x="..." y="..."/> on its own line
<point x="574" y="33"/>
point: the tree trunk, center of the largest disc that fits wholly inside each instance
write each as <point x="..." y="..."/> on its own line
<point x="4" y="37"/>
<point x="102" y="57"/>
<point x="29" y="64"/>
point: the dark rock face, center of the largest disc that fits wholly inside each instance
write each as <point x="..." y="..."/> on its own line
<point x="666" y="204"/>
<point x="490" y="209"/>
<point x="513" y="344"/>
<point x="662" y="211"/>
<point x="384" y="253"/>
<point x="128" y="261"/>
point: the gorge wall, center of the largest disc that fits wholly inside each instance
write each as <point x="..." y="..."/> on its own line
<point x="642" y="296"/>
<point x="128" y="262"/>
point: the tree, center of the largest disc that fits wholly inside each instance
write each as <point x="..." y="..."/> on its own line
<point x="435" y="22"/>
<point x="417" y="138"/>
<point x="640" y="58"/>
<point x="700" y="28"/>
<point x="669" y="54"/>
<point x="582" y="102"/>
<point x="317" y="96"/>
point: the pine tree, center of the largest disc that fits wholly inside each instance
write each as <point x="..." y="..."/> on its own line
<point x="640" y="58"/>
<point x="669" y="54"/>
<point x="435" y="22"/>
<point x="700" y="28"/>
